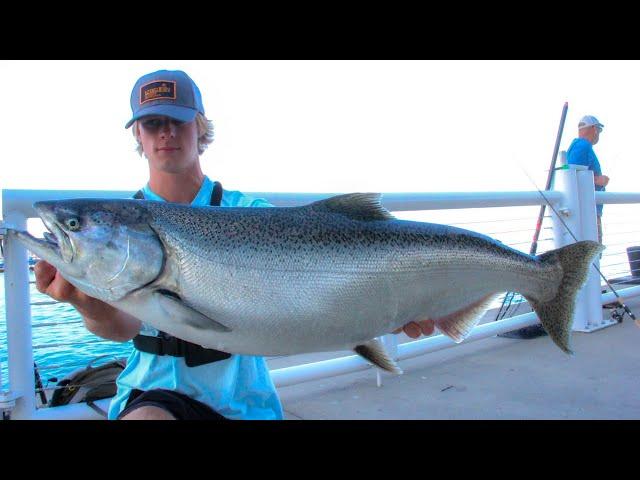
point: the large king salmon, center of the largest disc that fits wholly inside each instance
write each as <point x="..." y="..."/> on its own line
<point x="331" y="275"/>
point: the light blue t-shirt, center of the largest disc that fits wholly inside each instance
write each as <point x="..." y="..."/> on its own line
<point x="581" y="152"/>
<point x="239" y="387"/>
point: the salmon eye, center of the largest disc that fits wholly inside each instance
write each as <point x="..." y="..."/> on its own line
<point x="73" y="224"/>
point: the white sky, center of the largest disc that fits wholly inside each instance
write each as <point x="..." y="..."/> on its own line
<point x="325" y="126"/>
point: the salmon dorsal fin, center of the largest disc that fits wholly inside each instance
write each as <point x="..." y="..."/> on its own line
<point x="358" y="206"/>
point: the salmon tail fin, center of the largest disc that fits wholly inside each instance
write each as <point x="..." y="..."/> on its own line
<point x="556" y="315"/>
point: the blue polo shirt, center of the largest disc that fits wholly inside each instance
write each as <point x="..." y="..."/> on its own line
<point x="239" y="387"/>
<point x="581" y="152"/>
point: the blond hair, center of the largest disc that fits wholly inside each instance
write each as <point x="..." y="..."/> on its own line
<point x="205" y="134"/>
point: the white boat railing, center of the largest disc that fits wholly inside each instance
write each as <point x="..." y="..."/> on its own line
<point x="573" y="200"/>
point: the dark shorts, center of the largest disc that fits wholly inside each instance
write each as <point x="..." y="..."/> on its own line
<point x="177" y="404"/>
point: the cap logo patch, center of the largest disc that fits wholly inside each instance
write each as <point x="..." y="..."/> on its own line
<point x="157" y="90"/>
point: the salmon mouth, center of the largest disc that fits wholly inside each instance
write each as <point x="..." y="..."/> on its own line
<point x="47" y="249"/>
<point x="56" y="239"/>
<point x="50" y="238"/>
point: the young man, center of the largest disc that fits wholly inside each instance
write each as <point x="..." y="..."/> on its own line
<point x="167" y="378"/>
<point x="581" y="152"/>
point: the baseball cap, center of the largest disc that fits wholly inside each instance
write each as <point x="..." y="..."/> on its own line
<point x="588" y="121"/>
<point x="166" y="92"/>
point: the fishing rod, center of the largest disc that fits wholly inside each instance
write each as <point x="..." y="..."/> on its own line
<point x="39" y="386"/>
<point x="618" y="297"/>
<point x="508" y="298"/>
<point x="536" y="235"/>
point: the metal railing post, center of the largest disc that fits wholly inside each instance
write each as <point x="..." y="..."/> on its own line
<point x="18" y="316"/>
<point x="579" y="214"/>
<point x="567" y="183"/>
<point x="390" y="342"/>
<point x="592" y="293"/>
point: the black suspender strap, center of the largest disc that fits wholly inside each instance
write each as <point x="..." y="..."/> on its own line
<point x="194" y="355"/>
<point x="216" y="195"/>
<point x="165" y="344"/>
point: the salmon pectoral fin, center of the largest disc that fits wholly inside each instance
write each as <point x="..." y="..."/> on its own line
<point x="375" y="352"/>
<point x="175" y="308"/>
<point x="458" y="325"/>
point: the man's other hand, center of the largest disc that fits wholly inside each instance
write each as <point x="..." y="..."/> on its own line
<point x="415" y="329"/>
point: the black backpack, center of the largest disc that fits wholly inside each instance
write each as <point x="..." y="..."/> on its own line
<point x="88" y="384"/>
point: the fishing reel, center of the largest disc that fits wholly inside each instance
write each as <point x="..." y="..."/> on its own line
<point x="617" y="314"/>
<point x="617" y="311"/>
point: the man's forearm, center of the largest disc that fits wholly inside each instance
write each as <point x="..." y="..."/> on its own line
<point x="108" y="322"/>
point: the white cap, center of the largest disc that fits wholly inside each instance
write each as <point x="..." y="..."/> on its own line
<point x="588" y="121"/>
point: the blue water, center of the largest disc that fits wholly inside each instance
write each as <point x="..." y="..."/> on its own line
<point x="58" y="349"/>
